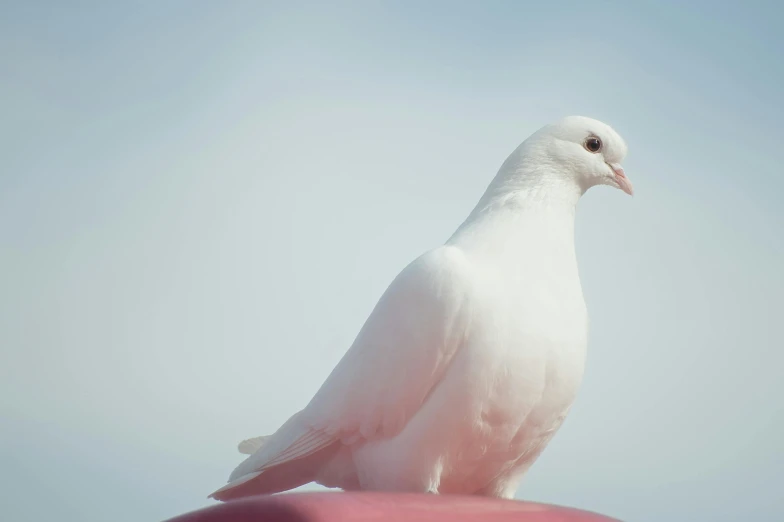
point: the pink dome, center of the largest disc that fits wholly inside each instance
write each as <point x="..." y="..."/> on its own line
<point x="382" y="507"/>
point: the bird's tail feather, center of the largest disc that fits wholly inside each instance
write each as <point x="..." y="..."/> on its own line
<point x="251" y="446"/>
<point x="278" y="478"/>
<point x="290" y="457"/>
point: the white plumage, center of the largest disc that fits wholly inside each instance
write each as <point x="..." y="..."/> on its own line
<point x="473" y="356"/>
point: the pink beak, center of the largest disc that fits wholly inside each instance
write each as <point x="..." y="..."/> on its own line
<point x="620" y="177"/>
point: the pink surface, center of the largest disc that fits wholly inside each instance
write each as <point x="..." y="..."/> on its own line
<point x="380" y="507"/>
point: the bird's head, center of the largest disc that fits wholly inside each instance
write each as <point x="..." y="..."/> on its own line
<point x="588" y="151"/>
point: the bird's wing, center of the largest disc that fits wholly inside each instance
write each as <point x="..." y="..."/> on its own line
<point x="401" y="353"/>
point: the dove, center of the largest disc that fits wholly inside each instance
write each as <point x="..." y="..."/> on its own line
<point x="472" y="358"/>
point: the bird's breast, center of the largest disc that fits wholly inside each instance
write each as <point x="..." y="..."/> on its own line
<point x="527" y="354"/>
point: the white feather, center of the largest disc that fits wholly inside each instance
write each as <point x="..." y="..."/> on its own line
<point x="251" y="446"/>
<point x="471" y="359"/>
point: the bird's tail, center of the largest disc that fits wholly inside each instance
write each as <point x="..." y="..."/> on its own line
<point x="292" y="456"/>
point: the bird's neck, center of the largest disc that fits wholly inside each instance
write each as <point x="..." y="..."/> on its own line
<point x="522" y="212"/>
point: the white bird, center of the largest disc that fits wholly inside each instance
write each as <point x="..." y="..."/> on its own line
<point x="472" y="357"/>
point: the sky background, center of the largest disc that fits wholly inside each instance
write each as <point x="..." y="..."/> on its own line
<point x="201" y="202"/>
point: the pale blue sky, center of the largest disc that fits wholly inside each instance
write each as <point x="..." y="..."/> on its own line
<point x="200" y="202"/>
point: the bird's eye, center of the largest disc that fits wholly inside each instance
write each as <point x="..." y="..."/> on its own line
<point x="593" y="144"/>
